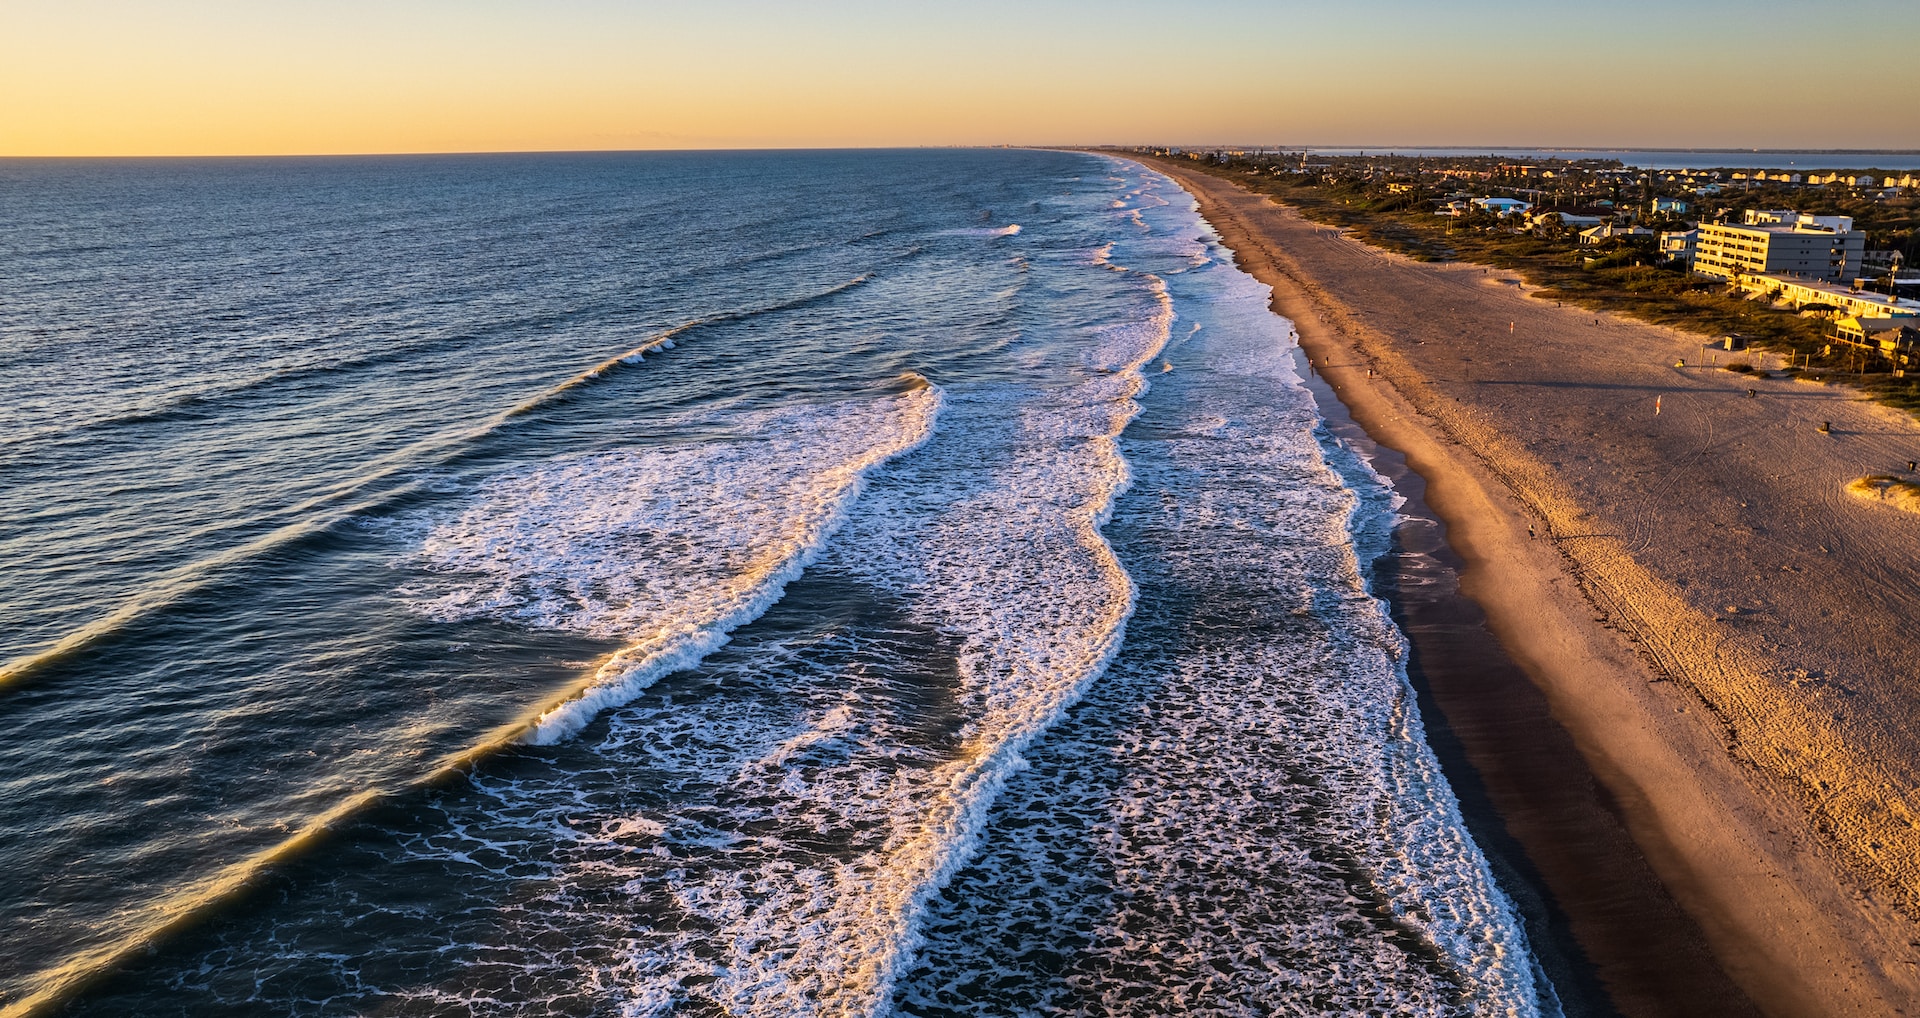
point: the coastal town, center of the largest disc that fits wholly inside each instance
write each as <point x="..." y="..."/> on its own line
<point x="1822" y="264"/>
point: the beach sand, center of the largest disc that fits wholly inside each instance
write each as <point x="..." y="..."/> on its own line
<point x="1725" y="635"/>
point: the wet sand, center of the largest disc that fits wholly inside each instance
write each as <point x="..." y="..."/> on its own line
<point x="1716" y="635"/>
<point x="1525" y="792"/>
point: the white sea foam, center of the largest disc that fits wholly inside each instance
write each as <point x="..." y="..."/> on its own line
<point x="1433" y="872"/>
<point x="992" y="536"/>
<point x="668" y="547"/>
<point x="1427" y="865"/>
<point x="1246" y="817"/>
<point x="1422" y="858"/>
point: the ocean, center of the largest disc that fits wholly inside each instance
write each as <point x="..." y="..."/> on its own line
<point x="832" y="583"/>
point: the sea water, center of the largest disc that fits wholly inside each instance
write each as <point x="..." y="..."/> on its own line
<point x="768" y="584"/>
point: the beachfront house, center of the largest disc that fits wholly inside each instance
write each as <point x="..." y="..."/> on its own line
<point x="1564" y="219"/>
<point x="1502" y="206"/>
<point x="1865" y="331"/>
<point x="1787" y="243"/>
<point x="1679" y="245"/>
<point x="1896" y="339"/>
<point x="1669" y="206"/>
<point x="1608" y="231"/>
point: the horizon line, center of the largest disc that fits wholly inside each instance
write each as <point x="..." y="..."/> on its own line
<point x="1386" y="149"/>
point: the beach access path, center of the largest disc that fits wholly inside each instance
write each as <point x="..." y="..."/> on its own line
<point x="1728" y="636"/>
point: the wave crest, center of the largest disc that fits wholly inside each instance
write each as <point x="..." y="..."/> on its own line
<point x="667" y="547"/>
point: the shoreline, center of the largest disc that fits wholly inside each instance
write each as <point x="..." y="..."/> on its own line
<point x="1706" y="846"/>
<point x="1512" y="765"/>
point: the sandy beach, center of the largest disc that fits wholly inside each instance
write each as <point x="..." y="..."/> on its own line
<point x="1668" y="551"/>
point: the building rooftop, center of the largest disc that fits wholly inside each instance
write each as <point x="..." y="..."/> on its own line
<point x="1796" y="228"/>
<point x="1882" y="324"/>
<point x="1842" y="295"/>
<point x="1792" y="220"/>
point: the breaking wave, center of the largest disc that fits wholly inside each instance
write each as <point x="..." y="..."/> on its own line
<point x="668" y="547"/>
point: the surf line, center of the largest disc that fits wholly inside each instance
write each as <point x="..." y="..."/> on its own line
<point x="948" y="838"/>
<point x="623" y="674"/>
<point x="868" y="959"/>
<point x="191" y="577"/>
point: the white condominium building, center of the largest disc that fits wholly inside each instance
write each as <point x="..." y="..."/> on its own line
<point x="1780" y="243"/>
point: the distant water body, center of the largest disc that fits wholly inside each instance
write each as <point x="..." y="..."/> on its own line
<point x="761" y="584"/>
<point x="1675" y="159"/>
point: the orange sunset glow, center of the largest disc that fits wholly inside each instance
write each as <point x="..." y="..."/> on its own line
<point x="101" y="78"/>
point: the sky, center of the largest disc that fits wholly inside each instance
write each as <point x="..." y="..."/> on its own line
<point x="226" y="77"/>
